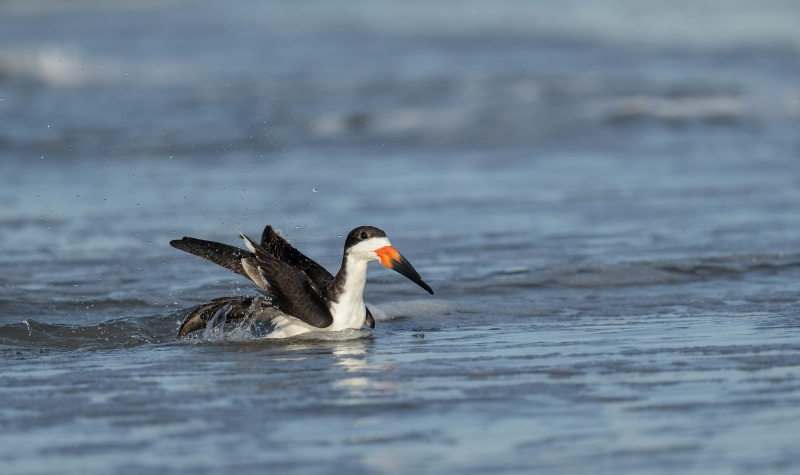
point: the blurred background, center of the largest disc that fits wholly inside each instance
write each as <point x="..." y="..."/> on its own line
<point x="203" y="115"/>
<point x="547" y="166"/>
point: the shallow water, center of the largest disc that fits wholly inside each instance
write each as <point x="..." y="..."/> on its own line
<point x="604" y="201"/>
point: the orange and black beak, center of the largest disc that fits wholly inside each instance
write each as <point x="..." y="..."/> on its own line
<point x="395" y="261"/>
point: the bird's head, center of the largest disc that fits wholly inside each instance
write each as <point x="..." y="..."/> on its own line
<point x="371" y="244"/>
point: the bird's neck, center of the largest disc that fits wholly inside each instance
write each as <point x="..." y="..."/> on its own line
<point x="348" y="302"/>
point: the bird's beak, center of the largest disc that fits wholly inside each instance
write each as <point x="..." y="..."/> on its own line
<point x="395" y="261"/>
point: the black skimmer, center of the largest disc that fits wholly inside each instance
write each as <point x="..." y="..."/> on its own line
<point x="299" y="295"/>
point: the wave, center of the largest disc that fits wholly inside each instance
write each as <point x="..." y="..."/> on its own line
<point x="113" y="334"/>
<point x="134" y="331"/>
<point x="450" y="110"/>
<point x="131" y="332"/>
<point x="639" y="273"/>
<point x="408" y="308"/>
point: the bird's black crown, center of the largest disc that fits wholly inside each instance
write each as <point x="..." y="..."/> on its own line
<point x="362" y="233"/>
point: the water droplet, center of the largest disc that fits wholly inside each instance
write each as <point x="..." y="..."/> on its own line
<point x="314" y="190"/>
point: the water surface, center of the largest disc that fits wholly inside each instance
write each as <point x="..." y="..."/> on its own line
<point x="604" y="201"/>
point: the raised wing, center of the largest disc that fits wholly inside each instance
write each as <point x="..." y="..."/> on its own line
<point x="279" y="247"/>
<point x="232" y="258"/>
<point x="294" y="291"/>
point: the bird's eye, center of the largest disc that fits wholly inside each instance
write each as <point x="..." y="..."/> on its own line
<point x="363" y="235"/>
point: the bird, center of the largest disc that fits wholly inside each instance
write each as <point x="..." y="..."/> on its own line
<point x="297" y="294"/>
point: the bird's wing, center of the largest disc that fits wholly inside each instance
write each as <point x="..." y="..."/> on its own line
<point x="235" y="309"/>
<point x="295" y="292"/>
<point x="279" y="247"/>
<point x="232" y="258"/>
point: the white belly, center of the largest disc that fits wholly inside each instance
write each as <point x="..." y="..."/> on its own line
<point x="347" y="316"/>
<point x="286" y="326"/>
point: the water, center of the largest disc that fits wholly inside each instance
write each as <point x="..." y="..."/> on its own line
<point x="603" y="199"/>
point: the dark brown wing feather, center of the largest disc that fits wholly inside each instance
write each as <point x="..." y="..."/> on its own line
<point x="229" y="257"/>
<point x="295" y="292"/>
<point x="279" y="247"/>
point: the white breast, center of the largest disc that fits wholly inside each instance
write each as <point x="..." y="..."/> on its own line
<point x="349" y="311"/>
